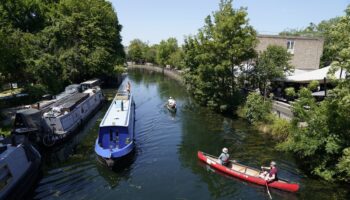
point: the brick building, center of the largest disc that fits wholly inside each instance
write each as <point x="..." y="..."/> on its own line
<point x="306" y="51"/>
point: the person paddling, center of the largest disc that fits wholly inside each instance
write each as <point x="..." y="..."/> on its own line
<point x="171" y="102"/>
<point x="270" y="175"/>
<point x="224" y="157"/>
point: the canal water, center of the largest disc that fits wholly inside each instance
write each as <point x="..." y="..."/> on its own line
<point x="165" y="164"/>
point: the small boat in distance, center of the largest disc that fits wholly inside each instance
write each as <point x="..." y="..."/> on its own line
<point x="171" y="105"/>
<point x="117" y="129"/>
<point x="246" y="173"/>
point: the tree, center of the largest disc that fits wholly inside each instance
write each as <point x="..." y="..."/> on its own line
<point x="82" y="41"/>
<point x="54" y="43"/>
<point x="165" y="49"/>
<point x="137" y="51"/>
<point x="176" y="59"/>
<point x="271" y="64"/>
<point x="216" y="52"/>
<point x="256" y="109"/>
<point x="324" y="144"/>
<point x="151" y="54"/>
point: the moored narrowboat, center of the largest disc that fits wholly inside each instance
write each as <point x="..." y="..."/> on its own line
<point x="19" y="168"/>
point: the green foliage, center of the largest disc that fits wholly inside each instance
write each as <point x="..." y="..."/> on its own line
<point x="176" y="59"/>
<point x="290" y="92"/>
<point x="137" y="51"/>
<point x="35" y="91"/>
<point x="119" y="69"/>
<point x="303" y="106"/>
<point x="313" y="85"/>
<point x="58" y="42"/>
<point x="280" y="128"/>
<point x="215" y="54"/>
<point x="165" y="49"/>
<point x="151" y="54"/>
<point x="271" y="64"/>
<point x="256" y="109"/>
<point x="325" y="142"/>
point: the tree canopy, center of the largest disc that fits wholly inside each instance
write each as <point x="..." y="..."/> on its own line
<point x="324" y="144"/>
<point x="59" y="42"/>
<point x="271" y="64"/>
<point x="215" y="54"/>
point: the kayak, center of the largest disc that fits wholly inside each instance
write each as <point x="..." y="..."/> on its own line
<point x="171" y="108"/>
<point x="246" y="173"/>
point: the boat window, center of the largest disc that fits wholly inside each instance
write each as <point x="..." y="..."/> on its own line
<point x="5" y="176"/>
<point x="110" y="135"/>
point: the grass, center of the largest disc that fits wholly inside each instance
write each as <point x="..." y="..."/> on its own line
<point x="10" y="92"/>
<point x="5" y="130"/>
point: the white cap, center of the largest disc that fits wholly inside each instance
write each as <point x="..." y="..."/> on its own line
<point x="273" y="163"/>
<point x="225" y="150"/>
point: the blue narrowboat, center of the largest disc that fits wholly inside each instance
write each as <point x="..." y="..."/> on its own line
<point x="116" y="133"/>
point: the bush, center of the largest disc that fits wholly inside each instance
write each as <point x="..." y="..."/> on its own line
<point x="290" y="92"/>
<point x="280" y="128"/>
<point x="256" y="109"/>
<point x="36" y="91"/>
<point x="313" y="85"/>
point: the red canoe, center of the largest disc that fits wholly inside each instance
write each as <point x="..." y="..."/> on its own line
<point x="246" y="173"/>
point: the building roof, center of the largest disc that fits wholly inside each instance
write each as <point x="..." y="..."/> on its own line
<point x="291" y="37"/>
<point x="317" y="75"/>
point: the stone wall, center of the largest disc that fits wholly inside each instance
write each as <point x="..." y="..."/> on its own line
<point x="175" y="74"/>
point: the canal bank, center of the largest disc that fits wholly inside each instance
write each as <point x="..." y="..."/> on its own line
<point x="165" y="164"/>
<point x="172" y="73"/>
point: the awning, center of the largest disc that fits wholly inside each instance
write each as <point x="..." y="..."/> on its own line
<point x="315" y="75"/>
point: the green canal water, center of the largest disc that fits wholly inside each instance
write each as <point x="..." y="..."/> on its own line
<point x="165" y="164"/>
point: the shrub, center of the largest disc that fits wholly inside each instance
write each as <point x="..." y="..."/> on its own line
<point x="35" y="91"/>
<point x="290" y="92"/>
<point x="313" y="85"/>
<point x="256" y="108"/>
<point x="280" y="128"/>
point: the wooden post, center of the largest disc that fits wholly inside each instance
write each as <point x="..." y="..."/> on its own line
<point x="325" y="86"/>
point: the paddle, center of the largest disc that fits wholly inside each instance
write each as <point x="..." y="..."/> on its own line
<point x="268" y="191"/>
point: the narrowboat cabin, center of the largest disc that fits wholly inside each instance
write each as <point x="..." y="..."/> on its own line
<point x="116" y="133"/>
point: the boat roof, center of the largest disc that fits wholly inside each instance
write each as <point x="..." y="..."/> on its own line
<point x="118" y="113"/>
<point x="90" y="82"/>
<point x="71" y="101"/>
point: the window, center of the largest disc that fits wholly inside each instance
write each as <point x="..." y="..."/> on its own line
<point x="110" y="135"/>
<point x="290" y="46"/>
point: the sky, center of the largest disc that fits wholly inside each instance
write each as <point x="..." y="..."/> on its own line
<point x="155" y="20"/>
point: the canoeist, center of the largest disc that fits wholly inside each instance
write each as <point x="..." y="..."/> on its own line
<point x="270" y="175"/>
<point x="224" y="156"/>
<point x="171" y="102"/>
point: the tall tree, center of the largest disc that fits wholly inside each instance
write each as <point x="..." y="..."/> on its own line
<point x="165" y="49"/>
<point x="81" y="41"/>
<point x="217" y="52"/>
<point x="137" y="51"/>
<point x="324" y="144"/>
<point x="271" y="64"/>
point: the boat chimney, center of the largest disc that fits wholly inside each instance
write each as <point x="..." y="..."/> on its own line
<point x="13" y="140"/>
<point x="122" y="104"/>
